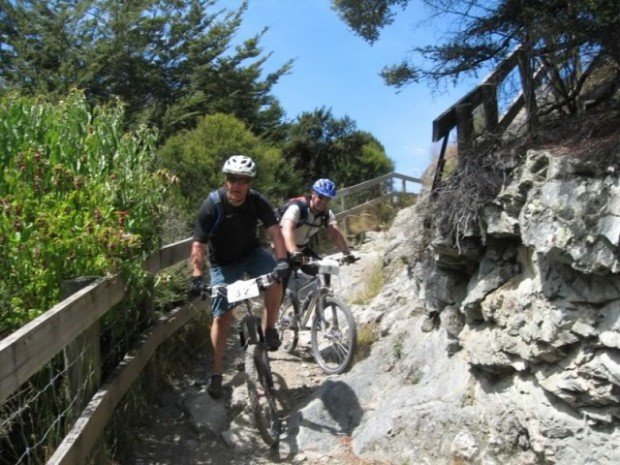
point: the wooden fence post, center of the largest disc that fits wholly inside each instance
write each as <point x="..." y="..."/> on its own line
<point x="527" y="82"/>
<point x="465" y="132"/>
<point x="491" y="112"/>
<point x="147" y="312"/>
<point x="441" y="161"/>
<point x="82" y="358"/>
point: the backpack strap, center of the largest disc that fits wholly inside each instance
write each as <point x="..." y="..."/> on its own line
<point x="219" y="209"/>
<point x="303" y="203"/>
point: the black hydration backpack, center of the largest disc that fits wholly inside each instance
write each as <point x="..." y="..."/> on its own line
<point x="302" y="203"/>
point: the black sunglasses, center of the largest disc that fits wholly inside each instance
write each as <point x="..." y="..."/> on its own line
<point x="238" y="179"/>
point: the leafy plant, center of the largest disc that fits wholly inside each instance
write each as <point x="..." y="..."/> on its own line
<point x="196" y="157"/>
<point x="78" y="198"/>
<point x="398" y="349"/>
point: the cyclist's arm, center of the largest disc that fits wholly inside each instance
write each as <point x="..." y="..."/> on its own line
<point x="275" y="234"/>
<point x="202" y="232"/>
<point x="337" y="238"/>
<point x="288" y="233"/>
<point x="289" y="225"/>
<point x="197" y="258"/>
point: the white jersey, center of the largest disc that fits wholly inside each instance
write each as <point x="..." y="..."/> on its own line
<point x="304" y="233"/>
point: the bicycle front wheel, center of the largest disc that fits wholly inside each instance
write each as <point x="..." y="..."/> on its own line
<point x="261" y="394"/>
<point x="288" y="322"/>
<point x="334" y="337"/>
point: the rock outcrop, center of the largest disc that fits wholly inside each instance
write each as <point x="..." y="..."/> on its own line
<point x="508" y="355"/>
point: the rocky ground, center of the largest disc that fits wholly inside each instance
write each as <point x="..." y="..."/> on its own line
<point x="187" y="426"/>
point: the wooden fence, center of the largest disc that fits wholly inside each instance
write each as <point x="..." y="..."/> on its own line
<point x="460" y="115"/>
<point x="387" y="188"/>
<point x="24" y="352"/>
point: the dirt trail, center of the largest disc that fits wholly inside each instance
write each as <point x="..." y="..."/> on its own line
<point x="172" y="436"/>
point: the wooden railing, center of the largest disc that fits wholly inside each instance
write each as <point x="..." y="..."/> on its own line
<point x="24" y="352"/>
<point x="388" y="187"/>
<point x="460" y="115"/>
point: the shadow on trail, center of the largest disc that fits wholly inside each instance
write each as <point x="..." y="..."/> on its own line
<point x="330" y="411"/>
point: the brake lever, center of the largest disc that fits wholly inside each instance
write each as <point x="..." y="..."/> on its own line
<point x="208" y="291"/>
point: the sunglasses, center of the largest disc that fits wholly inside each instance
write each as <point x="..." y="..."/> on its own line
<point x="323" y="197"/>
<point x="238" y="179"/>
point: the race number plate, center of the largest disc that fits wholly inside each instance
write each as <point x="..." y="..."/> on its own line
<point x="241" y="290"/>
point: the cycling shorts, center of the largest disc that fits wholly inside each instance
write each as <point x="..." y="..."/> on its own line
<point x="256" y="263"/>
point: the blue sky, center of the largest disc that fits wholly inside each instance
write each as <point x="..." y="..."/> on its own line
<point x="338" y="70"/>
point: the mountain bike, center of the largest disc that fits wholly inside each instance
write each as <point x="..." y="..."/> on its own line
<point x="257" y="368"/>
<point x="333" y="331"/>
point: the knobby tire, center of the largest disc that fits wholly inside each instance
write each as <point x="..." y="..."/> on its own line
<point x="333" y="348"/>
<point x="289" y="321"/>
<point x="261" y="394"/>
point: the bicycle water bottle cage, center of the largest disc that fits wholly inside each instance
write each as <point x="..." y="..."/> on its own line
<point x="251" y="331"/>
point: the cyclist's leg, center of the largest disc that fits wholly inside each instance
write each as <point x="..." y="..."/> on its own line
<point x="259" y="262"/>
<point x="222" y="316"/>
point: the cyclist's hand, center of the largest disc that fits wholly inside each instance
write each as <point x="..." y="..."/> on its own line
<point x="297" y="258"/>
<point x="196" y="285"/>
<point x="281" y="269"/>
<point x="348" y="258"/>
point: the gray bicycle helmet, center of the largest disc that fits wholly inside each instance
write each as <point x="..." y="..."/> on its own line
<point x="241" y="165"/>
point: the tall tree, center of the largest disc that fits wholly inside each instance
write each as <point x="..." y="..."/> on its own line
<point x="170" y="62"/>
<point x="486" y="30"/>
<point x="320" y="145"/>
<point x="196" y="157"/>
<point x="38" y="46"/>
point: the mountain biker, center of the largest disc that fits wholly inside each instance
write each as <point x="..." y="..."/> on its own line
<point x="298" y="226"/>
<point x="228" y="231"/>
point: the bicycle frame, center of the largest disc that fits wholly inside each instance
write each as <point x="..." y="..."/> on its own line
<point x="318" y="287"/>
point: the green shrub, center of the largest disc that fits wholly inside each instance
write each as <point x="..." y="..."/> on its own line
<point x="196" y="157"/>
<point x="78" y="197"/>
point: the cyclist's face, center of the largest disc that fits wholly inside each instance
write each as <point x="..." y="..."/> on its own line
<point x="238" y="187"/>
<point x="319" y="202"/>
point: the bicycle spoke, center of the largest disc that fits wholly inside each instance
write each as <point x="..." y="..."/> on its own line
<point x="333" y="337"/>
<point x="288" y="322"/>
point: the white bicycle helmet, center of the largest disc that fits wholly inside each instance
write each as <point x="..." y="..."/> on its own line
<point x="241" y="165"/>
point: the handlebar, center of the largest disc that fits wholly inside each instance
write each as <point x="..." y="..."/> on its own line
<point x="342" y="260"/>
<point x="329" y="266"/>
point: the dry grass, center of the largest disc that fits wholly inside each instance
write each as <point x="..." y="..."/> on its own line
<point x="350" y="458"/>
<point x="367" y="335"/>
<point x="373" y="286"/>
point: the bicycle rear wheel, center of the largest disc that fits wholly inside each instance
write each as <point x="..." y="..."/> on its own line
<point x="288" y="322"/>
<point x="334" y="337"/>
<point x="261" y="394"/>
